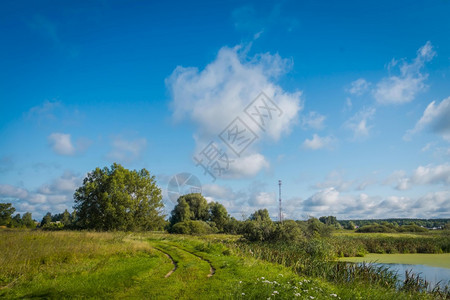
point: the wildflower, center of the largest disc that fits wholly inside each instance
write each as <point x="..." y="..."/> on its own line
<point x="243" y="294"/>
<point x="275" y="292"/>
<point x="333" y="295"/>
<point x="240" y="281"/>
<point x="262" y="278"/>
<point x="311" y="297"/>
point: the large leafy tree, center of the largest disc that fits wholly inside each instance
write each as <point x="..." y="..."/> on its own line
<point x="119" y="199"/>
<point x="218" y="214"/>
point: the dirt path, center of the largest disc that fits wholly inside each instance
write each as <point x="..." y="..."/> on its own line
<point x="212" y="270"/>
<point x="175" y="265"/>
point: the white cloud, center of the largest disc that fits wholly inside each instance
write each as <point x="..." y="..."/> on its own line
<point x="126" y="150"/>
<point x="423" y="175"/>
<point x="330" y="202"/>
<point x="404" y="87"/>
<point x="359" y="123"/>
<point x="9" y="191"/>
<point x="213" y="97"/>
<point x="436" y="117"/>
<point x="359" y="87"/>
<point x="313" y="120"/>
<point x="61" y="143"/>
<point x="247" y="166"/>
<point x="49" y="197"/>
<point x="318" y="142"/>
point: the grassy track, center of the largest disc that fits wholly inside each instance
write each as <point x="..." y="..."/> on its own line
<point x="59" y="265"/>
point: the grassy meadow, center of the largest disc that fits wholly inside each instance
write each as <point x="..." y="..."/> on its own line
<point x="69" y="264"/>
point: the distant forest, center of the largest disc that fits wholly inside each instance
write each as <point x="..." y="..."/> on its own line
<point x="428" y="223"/>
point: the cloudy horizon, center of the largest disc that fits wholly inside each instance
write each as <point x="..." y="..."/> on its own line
<point x="351" y="113"/>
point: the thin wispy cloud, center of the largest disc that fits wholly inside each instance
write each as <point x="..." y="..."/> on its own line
<point x="403" y="88"/>
<point x="436" y="118"/>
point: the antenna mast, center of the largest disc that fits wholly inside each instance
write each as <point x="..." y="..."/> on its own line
<point x="279" y="192"/>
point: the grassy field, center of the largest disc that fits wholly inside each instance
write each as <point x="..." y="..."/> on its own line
<point x="434" y="260"/>
<point x="58" y="265"/>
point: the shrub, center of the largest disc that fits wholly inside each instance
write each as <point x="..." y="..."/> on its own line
<point x="191" y="227"/>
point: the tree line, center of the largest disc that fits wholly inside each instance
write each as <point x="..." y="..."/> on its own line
<point x="116" y="198"/>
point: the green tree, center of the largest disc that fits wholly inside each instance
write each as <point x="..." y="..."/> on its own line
<point x="47" y="220"/>
<point x="198" y="206"/>
<point x="65" y="220"/>
<point x="350" y="225"/>
<point x="119" y="199"/>
<point x="27" y="220"/>
<point x="181" y="212"/>
<point x="219" y="215"/>
<point x="260" y="215"/>
<point x="6" y="210"/>
<point x="16" y="222"/>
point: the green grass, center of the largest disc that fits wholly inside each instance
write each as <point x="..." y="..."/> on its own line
<point x="57" y="265"/>
<point x="434" y="260"/>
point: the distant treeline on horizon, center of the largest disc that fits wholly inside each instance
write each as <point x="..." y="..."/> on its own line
<point x="428" y="223"/>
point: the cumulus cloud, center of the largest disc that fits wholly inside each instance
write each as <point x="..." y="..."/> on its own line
<point x="423" y="175"/>
<point x="436" y="118"/>
<point x="318" y="142"/>
<point x="9" y="191"/>
<point x="61" y="143"/>
<point x="247" y="166"/>
<point x="215" y="96"/>
<point x="359" y="123"/>
<point x="331" y="202"/>
<point x="313" y="120"/>
<point x="359" y="87"/>
<point x="124" y="150"/>
<point x="403" y="88"/>
<point x="54" y="196"/>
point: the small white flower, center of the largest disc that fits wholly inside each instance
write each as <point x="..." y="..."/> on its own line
<point x="240" y="281"/>
<point x="297" y="294"/>
<point x="275" y="292"/>
<point x="311" y="297"/>
<point x="333" y="295"/>
<point x="243" y="294"/>
<point x="262" y="278"/>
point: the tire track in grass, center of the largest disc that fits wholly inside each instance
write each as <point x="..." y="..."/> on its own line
<point x="175" y="265"/>
<point x="212" y="270"/>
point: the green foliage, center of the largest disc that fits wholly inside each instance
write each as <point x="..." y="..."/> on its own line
<point x="314" y="228"/>
<point x="219" y="215"/>
<point x="191" y="227"/>
<point x="6" y="210"/>
<point x="27" y="220"/>
<point x="47" y="220"/>
<point x="119" y="199"/>
<point x="427" y="223"/>
<point x="181" y="212"/>
<point x="261" y="215"/>
<point x="350" y="226"/>
<point x="194" y="207"/>
<point x="390" y="228"/>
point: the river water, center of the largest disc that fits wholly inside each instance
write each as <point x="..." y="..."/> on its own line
<point x="433" y="275"/>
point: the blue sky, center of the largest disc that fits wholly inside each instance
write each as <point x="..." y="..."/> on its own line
<point x="356" y="110"/>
